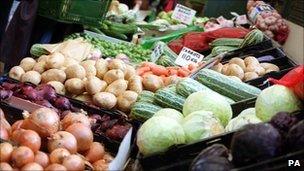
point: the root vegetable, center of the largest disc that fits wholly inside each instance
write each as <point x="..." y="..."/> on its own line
<point x="108" y="158"/>
<point x="41" y="158"/>
<point x="218" y="67"/>
<point x="83" y="135"/>
<point x="84" y="98"/>
<point x="3" y="122"/>
<point x="117" y="87"/>
<point x="117" y="64"/>
<point x="74" y="86"/>
<point x="113" y="75"/>
<point x="4" y="133"/>
<point x="58" y="86"/>
<point x="73" y="162"/>
<point x="21" y="156"/>
<point x="55" y="61"/>
<point x="75" y="71"/>
<point x="255" y="68"/>
<point x="53" y="75"/>
<point x="29" y="138"/>
<point x="17" y="125"/>
<point x="96" y="152"/>
<point x="69" y="61"/>
<point x="27" y="63"/>
<point x="125" y="100"/>
<point x="5" y="167"/>
<point x="135" y="84"/>
<point x="89" y="66"/>
<point x="32" y="166"/>
<point x="101" y="67"/>
<point x="238" y="61"/>
<point x="235" y="70"/>
<point x="6" y="150"/>
<point x="43" y="58"/>
<point x="269" y="67"/>
<point x="105" y="100"/>
<point x="62" y="139"/>
<point x="58" y="155"/>
<point x="44" y="121"/>
<point x="72" y="118"/>
<point x="251" y="60"/>
<point x="32" y="77"/>
<point x="129" y="72"/>
<point x="225" y="69"/>
<point x="16" y="72"/>
<point x="94" y="85"/>
<point x="250" y="76"/>
<point x="152" y="83"/>
<point x="55" y="167"/>
<point x="40" y="67"/>
<point x="101" y="165"/>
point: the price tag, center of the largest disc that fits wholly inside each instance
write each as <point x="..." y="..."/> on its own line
<point x="157" y="52"/>
<point x="183" y="14"/>
<point x="188" y="56"/>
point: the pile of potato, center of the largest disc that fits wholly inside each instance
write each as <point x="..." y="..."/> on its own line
<point x="107" y="84"/>
<point x="245" y="69"/>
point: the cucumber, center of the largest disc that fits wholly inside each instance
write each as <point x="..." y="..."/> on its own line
<point x="146" y="96"/>
<point x="226" y="42"/>
<point x="168" y="98"/>
<point x="226" y="86"/>
<point x="189" y="86"/>
<point x="165" y="61"/>
<point x="221" y="49"/>
<point x="252" y="38"/>
<point x="142" y="111"/>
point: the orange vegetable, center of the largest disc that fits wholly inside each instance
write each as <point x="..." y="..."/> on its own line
<point x="173" y="71"/>
<point x="159" y="70"/>
<point x="147" y="73"/>
<point x="140" y="71"/>
<point x="183" y="72"/>
<point x="191" y="67"/>
<point x="147" y="64"/>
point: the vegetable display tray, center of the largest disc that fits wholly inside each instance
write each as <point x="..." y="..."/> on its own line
<point x="88" y="12"/>
<point x="112" y="145"/>
<point x="180" y="157"/>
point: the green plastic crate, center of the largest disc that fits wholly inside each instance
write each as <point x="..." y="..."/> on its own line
<point x="87" y="12"/>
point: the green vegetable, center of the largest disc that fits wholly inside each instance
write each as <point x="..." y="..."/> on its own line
<point x="208" y="101"/>
<point x="274" y="99"/>
<point x="226" y="42"/>
<point x="170" y="113"/>
<point x="38" y="50"/>
<point x="142" y="111"/>
<point x="201" y="124"/>
<point x="169" y="99"/>
<point x="226" y="86"/>
<point x="246" y="117"/>
<point x="165" y="61"/>
<point x="252" y="38"/>
<point x="158" y="134"/>
<point x="146" y="96"/>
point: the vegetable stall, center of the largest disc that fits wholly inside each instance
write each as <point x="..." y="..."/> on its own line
<point x="171" y="93"/>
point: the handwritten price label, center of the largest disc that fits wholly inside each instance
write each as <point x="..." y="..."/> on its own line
<point x="183" y="14"/>
<point x="188" y="56"/>
<point x="157" y="52"/>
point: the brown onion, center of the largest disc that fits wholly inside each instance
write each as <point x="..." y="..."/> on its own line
<point x="101" y="165"/>
<point x="62" y="139"/>
<point x="32" y="167"/>
<point x="73" y="162"/>
<point x="58" y="155"/>
<point x="28" y="138"/>
<point x="55" y="167"/>
<point x="17" y="125"/>
<point x="96" y="152"/>
<point x="44" y="121"/>
<point x="42" y="158"/>
<point x="72" y="118"/>
<point x="6" y="150"/>
<point x="4" y="122"/>
<point x="3" y="133"/>
<point x="83" y="135"/>
<point x="5" y="166"/>
<point x="21" y="156"/>
<point x="108" y="158"/>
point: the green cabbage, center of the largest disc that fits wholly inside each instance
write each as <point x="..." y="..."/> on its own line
<point x="159" y="133"/>
<point x="274" y="99"/>
<point x="208" y="101"/>
<point x="201" y="124"/>
<point x="247" y="116"/>
<point x="170" y="113"/>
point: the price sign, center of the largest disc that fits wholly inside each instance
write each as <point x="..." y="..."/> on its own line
<point x="183" y="14"/>
<point x="188" y="56"/>
<point x="157" y="52"/>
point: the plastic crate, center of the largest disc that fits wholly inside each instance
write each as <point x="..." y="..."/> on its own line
<point x="88" y="12"/>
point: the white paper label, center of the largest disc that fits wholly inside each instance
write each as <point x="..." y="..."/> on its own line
<point x="183" y="14"/>
<point x="259" y="9"/>
<point x="157" y="52"/>
<point x="188" y="56"/>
